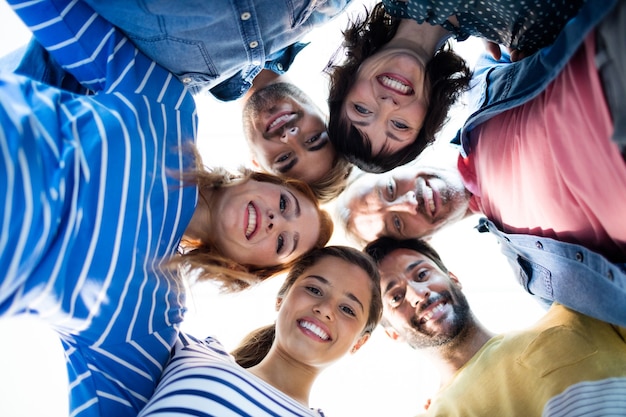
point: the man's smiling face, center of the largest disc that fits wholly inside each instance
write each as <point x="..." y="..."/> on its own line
<point x="287" y="134"/>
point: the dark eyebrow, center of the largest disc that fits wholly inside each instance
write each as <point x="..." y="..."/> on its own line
<point x="349" y="295"/>
<point x="389" y="286"/>
<point x="408" y="269"/>
<point x="286" y="168"/>
<point x="321" y="144"/>
<point x="296" y="239"/>
<point x="392" y="136"/>
<point x="360" y="123"/>
<point x="297" y="209"/>
<point x="413" y="265"/>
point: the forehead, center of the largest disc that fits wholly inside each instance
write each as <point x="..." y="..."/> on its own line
<point x="366" y="207"/>
<point x="398" y="262"/>
<point x="341" y="275"/>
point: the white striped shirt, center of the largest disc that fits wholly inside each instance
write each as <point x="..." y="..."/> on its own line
<point x="92" y="205"/>
<point x="202" y="379"/>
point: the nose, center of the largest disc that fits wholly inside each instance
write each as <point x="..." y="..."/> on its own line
<point x="388" y="99"/>
<point x="270" y="221"/>
<point x="273" y="221"/>
<point x="289" y="132"/>
<point x="407" y="202"/>
<point x="417" y="292"/>
<point x="323" y="309"/>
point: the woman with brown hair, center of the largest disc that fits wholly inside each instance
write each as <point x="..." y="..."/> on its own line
<point x="328" y="306"/>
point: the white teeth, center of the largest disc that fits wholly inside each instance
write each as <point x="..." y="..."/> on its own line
<point x="429" y="198"/>
<point x="395" y="84"/>
<point x="282" y="119"/>
<point x="432" y="312"/>
<point x="315" y="329"/>
<point x="251" y="220"/>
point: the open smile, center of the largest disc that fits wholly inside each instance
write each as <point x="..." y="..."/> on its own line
<point x="279" y="121"/>
<point x="427" y="196"/>
<point x="434" y="311"/>
<point x="395" y="83"/>
<point x="313" y="329"/>
<point x="251" y="221"/>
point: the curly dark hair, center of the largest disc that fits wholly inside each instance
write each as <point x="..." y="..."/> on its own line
<point x="447" y="77"/>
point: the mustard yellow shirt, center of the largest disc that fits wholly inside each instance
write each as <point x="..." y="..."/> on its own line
<point x="567" y="363"/>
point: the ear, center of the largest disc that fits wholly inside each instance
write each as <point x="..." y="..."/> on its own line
<point x="393" y="334"/>
<point x="254" y="162"/>
<point x="279" y="302"/>
<point x="455" y="279"/>
<point x="360" y="342"/>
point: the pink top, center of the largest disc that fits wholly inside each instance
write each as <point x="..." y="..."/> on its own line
<point x="550" y="168"/>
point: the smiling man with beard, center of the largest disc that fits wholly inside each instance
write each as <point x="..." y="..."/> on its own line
<point x="286" y="133"/>
<point x="566" y="364"/>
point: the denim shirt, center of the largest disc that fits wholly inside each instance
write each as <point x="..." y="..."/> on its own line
<point x="570" y="274"/>
<point x="219" y="44"/>
<point x="498" y="86"/>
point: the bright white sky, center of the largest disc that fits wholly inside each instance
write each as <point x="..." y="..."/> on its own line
<point x="383" y="379"/>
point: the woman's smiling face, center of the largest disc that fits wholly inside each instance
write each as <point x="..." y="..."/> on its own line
<point x="323" y="316"/>
<point x="264" y="224"/>
<point x="387" y="103"/>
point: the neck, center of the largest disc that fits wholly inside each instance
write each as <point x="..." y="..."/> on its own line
<point x="454" y="355"/>
<point x="287" y="375"/>
<point x="424" y="38"/>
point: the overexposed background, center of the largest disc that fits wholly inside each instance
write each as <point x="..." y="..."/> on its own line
<point x="383" y="379"/>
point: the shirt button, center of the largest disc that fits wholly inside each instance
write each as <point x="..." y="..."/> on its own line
<point x="579" y="256"/>
<point x="610" y="275"/>
<point x="539" y="245"/>
<point x="253" y="44"/>
<point x="186" y="80"/>
<point x="245" y="16"/>
<point x="279" y="66"/>
<point x="256" y="62"/>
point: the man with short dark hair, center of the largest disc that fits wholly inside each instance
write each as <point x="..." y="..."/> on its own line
<point x="287" y="136"/>
<point x="566" y="364"/>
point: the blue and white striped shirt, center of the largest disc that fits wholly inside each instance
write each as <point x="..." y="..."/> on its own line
<point x="93" y="204"/>
<point x="202" y="379"/>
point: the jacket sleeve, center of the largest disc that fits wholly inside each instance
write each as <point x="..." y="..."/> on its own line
<point x="96" y="53"/>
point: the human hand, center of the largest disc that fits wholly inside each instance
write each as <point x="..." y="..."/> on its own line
<point x="495" y="51"/>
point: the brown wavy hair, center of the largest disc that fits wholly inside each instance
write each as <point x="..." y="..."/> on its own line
<point x="256" y="344"/>
<point x="447" y="77"/>
<point x="204" y="261"/>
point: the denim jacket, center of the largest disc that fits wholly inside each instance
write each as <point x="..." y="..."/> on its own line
<point x="498" y="86"/>
<point x="219" y="44"/>
<point x="570" y="274"/>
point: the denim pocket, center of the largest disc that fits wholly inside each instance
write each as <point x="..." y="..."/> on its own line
<point x="535" y="279"/>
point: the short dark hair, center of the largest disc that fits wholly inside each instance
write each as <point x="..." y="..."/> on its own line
<point x="380" y="248"/>
<point x="447" y="75"/>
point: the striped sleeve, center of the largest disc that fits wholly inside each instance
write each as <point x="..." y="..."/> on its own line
<point x="605" y="398"/>
<point x="96" y="53"/>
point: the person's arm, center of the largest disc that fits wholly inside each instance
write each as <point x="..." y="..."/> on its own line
<point x="86" y="45"/>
